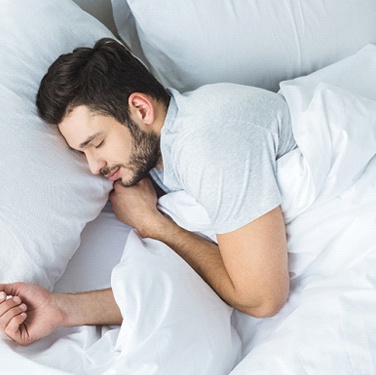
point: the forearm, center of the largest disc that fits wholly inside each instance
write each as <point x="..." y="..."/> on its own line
<point x="256" y="285"/>
<point x="89" y="308"/>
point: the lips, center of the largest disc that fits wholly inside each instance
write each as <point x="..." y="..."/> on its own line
<point x="113" y="176"/>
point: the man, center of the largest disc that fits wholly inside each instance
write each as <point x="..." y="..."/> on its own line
<point x="218" y="143"/>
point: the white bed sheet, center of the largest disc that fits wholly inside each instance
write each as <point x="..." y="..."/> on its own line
<point x="101" y="248"/>
<point x="326" y="327"/>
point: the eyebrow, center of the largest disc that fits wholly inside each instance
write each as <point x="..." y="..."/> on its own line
<point x="84" y="144"/>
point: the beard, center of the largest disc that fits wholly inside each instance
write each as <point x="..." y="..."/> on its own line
<point x="145" y="155"/>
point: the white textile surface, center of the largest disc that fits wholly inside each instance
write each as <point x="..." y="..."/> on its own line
<point x="327" y="326"/>
<point x="48" y="194"/>
<point x="251" y="42"/>
<point x="175" y="324"/>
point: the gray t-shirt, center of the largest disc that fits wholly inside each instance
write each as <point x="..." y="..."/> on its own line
<point x="220" y="144"/>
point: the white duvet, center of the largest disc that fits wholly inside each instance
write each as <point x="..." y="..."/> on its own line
<point x="175" y="324"/>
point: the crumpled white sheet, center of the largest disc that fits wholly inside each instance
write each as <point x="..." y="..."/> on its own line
<point x="328" y="324"/>
<point x="174" y="323"/>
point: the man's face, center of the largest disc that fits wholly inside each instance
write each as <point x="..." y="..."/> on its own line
<point x="111" y="149"/>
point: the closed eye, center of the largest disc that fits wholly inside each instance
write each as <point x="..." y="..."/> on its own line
<point x="99" y="144"/>
<point x="76" y="151"/>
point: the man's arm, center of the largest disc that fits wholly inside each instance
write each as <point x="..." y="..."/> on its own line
<point x="32" y="312"/>
<point x="256" y="258"/>
<point x="248" y="269"/>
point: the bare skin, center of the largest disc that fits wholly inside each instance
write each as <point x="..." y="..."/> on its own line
<point x="32" y="312"/>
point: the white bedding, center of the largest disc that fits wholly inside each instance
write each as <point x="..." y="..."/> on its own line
<point x="174" y="323"/>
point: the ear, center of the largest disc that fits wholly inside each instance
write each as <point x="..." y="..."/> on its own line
<point x="141" y="108"/>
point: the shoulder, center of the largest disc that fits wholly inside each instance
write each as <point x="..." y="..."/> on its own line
<point x="224" y="117"/>
<point x="230" y="91"/>
<point x="231" y="103"/>
<point x="218" y="92"/>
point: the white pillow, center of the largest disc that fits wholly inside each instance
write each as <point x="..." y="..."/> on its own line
<point x="125" y="23"/>
<point x="47" y="193"/>
<point x="258" y="43"/>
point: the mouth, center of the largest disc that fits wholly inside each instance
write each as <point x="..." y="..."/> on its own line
<point x="113" y="176"/>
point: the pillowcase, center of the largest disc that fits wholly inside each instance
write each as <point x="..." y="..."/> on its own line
<point x="47" y="194"/>
<point x="258" y="43"/>
<point x="126" y="27"/>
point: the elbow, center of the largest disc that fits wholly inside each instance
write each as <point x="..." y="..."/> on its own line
<point x="265" y="307"/>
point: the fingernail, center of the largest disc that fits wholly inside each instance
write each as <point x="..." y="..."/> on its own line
<point x="17" y="299"/>
<point x="2" y="296"/>
<point x="22" y="306"/>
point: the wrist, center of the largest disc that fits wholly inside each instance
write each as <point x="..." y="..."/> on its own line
<point x="155" y="226"/>
<point x="61" y="302"/>
<point x="164" y="229"/>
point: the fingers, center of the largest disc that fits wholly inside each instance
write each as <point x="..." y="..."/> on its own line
<point x="12" y="313"/>
<point x="14" y="325"/>
<point x="10" y="289"/>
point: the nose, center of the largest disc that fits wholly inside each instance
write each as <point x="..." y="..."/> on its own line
<point x="95" y="165"/>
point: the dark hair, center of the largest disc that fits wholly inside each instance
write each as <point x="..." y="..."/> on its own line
<point x="102" y="78"/>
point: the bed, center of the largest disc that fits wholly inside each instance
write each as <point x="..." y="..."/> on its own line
<point x="58" y="230"/>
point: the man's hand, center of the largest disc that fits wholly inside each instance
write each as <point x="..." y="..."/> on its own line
<point x="137" y="207"/>
<point x="29" y="314"/>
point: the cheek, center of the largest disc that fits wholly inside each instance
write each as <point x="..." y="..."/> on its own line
<point x="119" y="146"/>
<point x="119" y="153"/>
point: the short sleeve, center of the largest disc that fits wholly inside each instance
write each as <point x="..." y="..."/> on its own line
<point x="236" y="182"/>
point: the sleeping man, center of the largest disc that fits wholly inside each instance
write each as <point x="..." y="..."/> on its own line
<point x="219" y="143"/>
